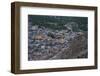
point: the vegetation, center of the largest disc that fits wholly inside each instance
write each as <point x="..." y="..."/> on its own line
<point x="58" y="22"/>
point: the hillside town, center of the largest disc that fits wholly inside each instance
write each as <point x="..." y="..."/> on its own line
<point x="47" y="44"/>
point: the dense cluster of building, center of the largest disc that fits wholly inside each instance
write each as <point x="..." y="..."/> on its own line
<point x="45" y="43"/>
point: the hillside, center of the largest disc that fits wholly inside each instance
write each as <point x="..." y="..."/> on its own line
<point x="57" y="38"/>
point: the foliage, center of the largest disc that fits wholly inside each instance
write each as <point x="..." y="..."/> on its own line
<point x="58" y="22"/>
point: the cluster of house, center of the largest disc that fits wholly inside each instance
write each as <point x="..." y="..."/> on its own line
<point x="45" y="43"/>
